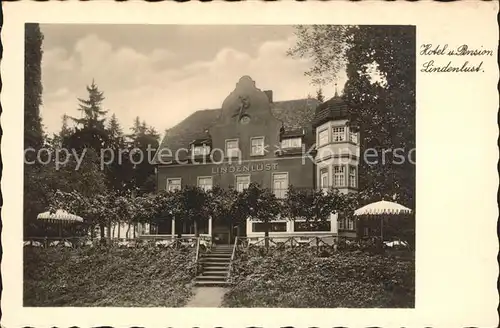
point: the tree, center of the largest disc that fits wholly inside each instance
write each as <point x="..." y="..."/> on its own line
<point x="91" y="109"/>
<point x="43" y="181"/>
<point x="380" y="93"/>
<point x="144" y="140"/>
<point x="33" y="131"/>
<point x="260" y="205"/>
<point x="311" y="205"/>
<point x="319" y="95"/>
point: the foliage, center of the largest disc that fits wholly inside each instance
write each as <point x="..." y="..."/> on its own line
<point x="299" y="278"/>
<point x="33" y="133"/>
<point x="41" y="182"/>
<point x="326" y="45"/>
<point x="260" y="204"/>
<point x="138" y="277"/>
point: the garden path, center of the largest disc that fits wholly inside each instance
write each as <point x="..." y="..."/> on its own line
<point x="207" y="297"/>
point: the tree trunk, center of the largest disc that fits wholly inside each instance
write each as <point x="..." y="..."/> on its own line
<point x="196" y="232"/>
<point x="127" y="233"/>
<point x="266" y="235"/>
<point x="101" y="231"/>
<point x="135" y="225"/>
<point x="119" y="228"/>
<point x="109" y="230"/>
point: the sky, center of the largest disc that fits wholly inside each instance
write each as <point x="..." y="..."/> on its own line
<point x="164" y="73"/>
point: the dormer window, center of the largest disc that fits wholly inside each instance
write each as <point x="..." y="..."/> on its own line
<point x="295" y="142"/>
<point x="200" y="150"/>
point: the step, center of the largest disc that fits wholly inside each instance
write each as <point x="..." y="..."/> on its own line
<point x="206" y="283"/>
<point x="221" y="255"/>
<point x="215" y="259"/>
<point x="216" y="268"/>
<point x="217" y="273"/>
<point x="211" y="278"/>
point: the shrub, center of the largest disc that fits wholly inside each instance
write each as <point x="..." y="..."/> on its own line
<point x="107" y="276"/>
<point x="305" y="278"/>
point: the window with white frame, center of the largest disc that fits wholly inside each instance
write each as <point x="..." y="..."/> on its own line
<point x="201" y="150"/>
<point x="352" y="176"/>
<point x="242" y="182"/>
<point x="280" y="184"/>
<point x="339" y="176"/>
<point x="173" y="184"/>
<point x="350" y="224"/>
<point x="338" y="133"/>
<point x="232" y="148"/>
<point x="205" y="183"/>
<point x="257" y="146"/>
<point x="303" y="226"/>
<point x="341" y="224"/>
<point x="323" y="179"/>
<point x="272" y="226"/>
<point x="353" y="137"/>
<point x="291" y="143"/>
<point x="323" y="137"/>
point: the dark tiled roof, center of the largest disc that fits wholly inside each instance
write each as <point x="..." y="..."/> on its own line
<point x="296" y="115"/>
<point x="334" y="108"/>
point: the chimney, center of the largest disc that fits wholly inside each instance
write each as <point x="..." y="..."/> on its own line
<point x="269" y="94"/>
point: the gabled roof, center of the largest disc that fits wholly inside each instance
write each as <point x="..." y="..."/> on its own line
<point x="295" y="115"/>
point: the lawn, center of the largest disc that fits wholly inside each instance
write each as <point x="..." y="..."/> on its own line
<point x="304" y="278"/>
<point x="136" y="277"/>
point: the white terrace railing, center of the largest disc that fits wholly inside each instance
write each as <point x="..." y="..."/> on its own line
<point x="150" y="240"/>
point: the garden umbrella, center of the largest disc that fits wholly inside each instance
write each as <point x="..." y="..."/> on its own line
<point x="381" y="209"/>
<point x="60" y="217"/>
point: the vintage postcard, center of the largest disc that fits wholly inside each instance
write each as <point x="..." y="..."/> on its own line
<point x="249" y="164"/>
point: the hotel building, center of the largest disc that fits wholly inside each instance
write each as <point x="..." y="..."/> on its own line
<point x="253" y="138"/>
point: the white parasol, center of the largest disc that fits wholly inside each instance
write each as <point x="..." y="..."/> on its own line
<point x="382" y="207"/>
<point x="59" y="216"/>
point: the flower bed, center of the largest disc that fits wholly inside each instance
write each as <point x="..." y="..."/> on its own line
<point x="306" y="278"/>
<point x="100" y="276"/>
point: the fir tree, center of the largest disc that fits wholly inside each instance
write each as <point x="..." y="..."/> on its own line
<point x="319" y="95"/>
<point x="91" y="109"/>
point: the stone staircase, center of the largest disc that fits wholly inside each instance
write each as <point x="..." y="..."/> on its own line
<point x="215" y="266"/>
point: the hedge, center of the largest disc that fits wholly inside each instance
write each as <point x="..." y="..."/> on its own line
<point x="305" y="278"/>
<point x="130" y="277"/>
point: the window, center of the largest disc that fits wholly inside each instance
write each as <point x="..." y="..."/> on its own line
<point x="291" y="143"/>
<point x="257" y="146"/>
<point x="200" y="150"/>
<point x="352" y="176"/>
<point x="232" y="148"/>
<point x="242" y="182"/>
<point x="341" y="224"/>
<point x="273" y="227"/>
<point x="338" y="134"/>
<point x="353" y="137"/>
<point x="339" y="176"/>
<point x="323" y="137"/>
<point x="173" y="184"/>
<point x="350" y="224"/>
<point x="280" y="184"/>
<point x="323" y="182"/>
<point x="205" y="183"/>
<point x="311" y="226"/>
